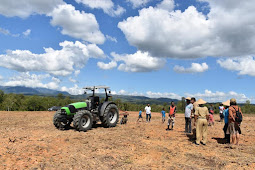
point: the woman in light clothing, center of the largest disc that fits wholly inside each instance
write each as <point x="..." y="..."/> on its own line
<point x="201" y="117"/>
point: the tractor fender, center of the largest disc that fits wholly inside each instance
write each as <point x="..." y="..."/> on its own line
<point x="103" y="107"/>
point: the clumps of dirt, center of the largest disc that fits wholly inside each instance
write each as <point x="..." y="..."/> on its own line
<point x="29" y="140"/>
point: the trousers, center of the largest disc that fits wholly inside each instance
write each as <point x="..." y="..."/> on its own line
<point x="148" y="117"/>
<point x="201" y="131"/>
<point x="187" y="125"/>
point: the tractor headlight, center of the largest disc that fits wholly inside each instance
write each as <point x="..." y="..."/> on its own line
<point x="63" y="112"/>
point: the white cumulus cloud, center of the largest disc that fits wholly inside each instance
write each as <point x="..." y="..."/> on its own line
<point x="63" y="62"/>
<point x="244" y="65"/>
<point x="138" y="62"/>
<point x="111" y="38"/>
<point x="166" y="5"/>
<point x="77" y="72"/>
<point x="72" y="80"/>
<point x="138" y="3"/>
<point x="227" y="30"/>
<point x="75" y="90"/>
<point x="107" y="66"/>
<point x="195" y="68"/>
<point x="164" y="95"/>
<point x="106" y="5"/>
<point x="25" y="8"/>
<point x="27" y="32"/>
<point x="32" y="80"/>
<point x="77" y="24"/>
<point x="219" y="96"/>
<point x="149" y="94"/>
<point x="7" y="32"/>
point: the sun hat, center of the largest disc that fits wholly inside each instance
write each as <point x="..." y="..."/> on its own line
<point x="188" y="98"/>
<point x="201" y="101"/>
<point x="226" y="103"/>
<point x="233" y="100"/>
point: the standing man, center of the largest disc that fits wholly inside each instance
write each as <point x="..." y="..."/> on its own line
<point x="171" y="118"/>
<point x="147" y="109"/>
<point x="201" y="117"/>
<point x="188" y="109"/>
<point x="195" y="105"/>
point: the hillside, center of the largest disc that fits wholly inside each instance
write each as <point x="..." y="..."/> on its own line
<point x="49" y="92"/>
<point x="31" y="91"/>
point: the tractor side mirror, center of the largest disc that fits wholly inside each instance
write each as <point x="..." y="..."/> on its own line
<point x="109" y="91"/>
<point x="85" y="92"/>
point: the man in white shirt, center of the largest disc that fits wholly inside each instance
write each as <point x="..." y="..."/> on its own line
<point x="188" y="109"/>
<point x="147" y="109"/>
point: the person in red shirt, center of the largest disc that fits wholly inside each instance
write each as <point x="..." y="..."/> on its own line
<point x="171" y="118"/>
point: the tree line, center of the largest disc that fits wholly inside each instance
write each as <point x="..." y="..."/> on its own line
<point x="20" y="102"/>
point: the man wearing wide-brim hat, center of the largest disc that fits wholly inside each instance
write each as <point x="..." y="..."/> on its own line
<point x="226" y="114"/>
<point x="201" y="117"/>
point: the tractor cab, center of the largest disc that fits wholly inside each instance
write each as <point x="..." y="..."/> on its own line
<point x="94" y="100"/>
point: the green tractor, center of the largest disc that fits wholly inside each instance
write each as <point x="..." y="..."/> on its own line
<point x="86" y="114"/>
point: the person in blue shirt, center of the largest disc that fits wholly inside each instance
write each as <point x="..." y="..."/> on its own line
<point x="140" y="115"/>
<point x="225" y="114"/>
<point x="163" y="112"/>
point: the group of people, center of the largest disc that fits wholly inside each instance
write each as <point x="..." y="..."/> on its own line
<point x="171" y="118"/>
<point x="198" y="117"/>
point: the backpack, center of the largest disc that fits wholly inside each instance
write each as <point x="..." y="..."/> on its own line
<point x="239" y="116"/>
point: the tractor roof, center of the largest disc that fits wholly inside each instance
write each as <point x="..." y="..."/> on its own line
<point x="96" y="87"/>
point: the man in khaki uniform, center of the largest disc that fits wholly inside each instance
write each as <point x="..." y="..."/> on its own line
<point x="201" y="117"/>
<point x="195" y="105"/>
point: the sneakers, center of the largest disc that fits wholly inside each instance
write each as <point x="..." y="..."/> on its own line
<point x="196" y="144"/>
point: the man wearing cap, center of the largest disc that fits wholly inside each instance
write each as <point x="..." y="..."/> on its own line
<point x="201" y="117"/>
<point x="188" y="109"/>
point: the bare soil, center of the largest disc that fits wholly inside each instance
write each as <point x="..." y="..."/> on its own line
<point x="30" y="141"/>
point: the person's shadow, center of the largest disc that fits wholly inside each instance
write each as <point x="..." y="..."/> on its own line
<point x="94" y="126"/>
<point x="192" y="136"/>
<point x="220" y="140"/>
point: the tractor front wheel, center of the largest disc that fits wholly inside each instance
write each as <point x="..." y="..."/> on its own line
<point x="61" y="121"/>
<point x="83" y="120"/>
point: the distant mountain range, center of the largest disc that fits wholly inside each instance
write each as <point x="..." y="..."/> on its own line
<point x="31" y="91"/>
<point x="49" y="92"/>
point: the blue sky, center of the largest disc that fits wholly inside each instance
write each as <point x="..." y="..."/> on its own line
<point x="155" y="48"/>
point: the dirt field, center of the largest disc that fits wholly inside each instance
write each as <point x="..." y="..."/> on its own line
<point x="30" y="141"/>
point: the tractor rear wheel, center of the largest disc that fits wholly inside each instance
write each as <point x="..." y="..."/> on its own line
<point x="83" y="120"/>
<point x="61" y="121"/>
<point x="111" y="116"/>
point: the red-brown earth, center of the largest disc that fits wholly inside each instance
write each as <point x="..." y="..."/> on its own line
<point x="30" y="141"/>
